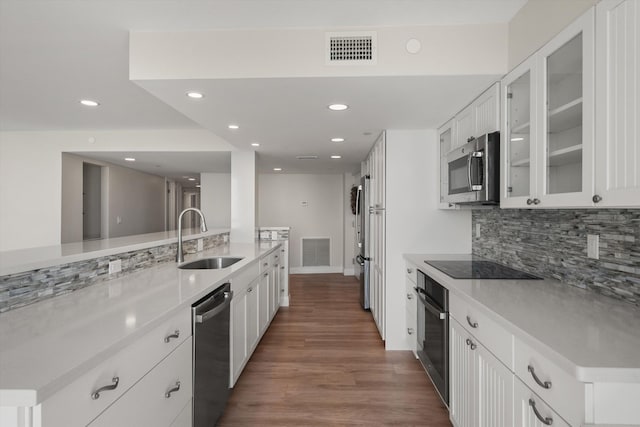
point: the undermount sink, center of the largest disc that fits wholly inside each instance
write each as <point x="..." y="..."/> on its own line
<point x="210" y="263"/>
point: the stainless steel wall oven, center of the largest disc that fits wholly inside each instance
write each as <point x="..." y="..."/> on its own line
<point x="433" y="332"/>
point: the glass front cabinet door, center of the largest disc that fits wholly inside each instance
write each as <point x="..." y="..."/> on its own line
<point x="549" y="123"/>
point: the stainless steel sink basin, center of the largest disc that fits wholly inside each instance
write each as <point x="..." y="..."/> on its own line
<point x="210" y="263"/>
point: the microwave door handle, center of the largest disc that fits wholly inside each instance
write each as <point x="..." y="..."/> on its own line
<point x="477" y="155"/>
<point x="469" y="170"/>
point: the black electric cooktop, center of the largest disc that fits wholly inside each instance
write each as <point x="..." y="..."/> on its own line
<point x="479" y="270"/>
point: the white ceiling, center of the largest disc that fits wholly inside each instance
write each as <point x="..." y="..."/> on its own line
<point x="53" y="53"/>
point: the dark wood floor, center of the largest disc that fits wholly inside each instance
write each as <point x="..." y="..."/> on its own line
<point x="322" y="362"/>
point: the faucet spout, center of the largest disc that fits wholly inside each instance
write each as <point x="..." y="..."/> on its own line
<point x="203" y="227"/>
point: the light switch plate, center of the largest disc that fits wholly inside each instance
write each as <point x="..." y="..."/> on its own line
<point x="115" y="266"/>
<point x="200" y="244"/>
<point x="477" y="231"/>
<point x="593" y="246"/>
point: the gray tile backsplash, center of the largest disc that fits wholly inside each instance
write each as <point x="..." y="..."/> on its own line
<point x="553" y="244"/>
<point x="20" y="289"/>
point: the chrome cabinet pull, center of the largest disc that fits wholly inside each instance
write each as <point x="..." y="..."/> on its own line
<point x="544" y="420"/>
<point x="175" y="334"/>
<point x="409" y="270"/>
<point x="250" y="290"/>
<point x="536" y="201"/>
<point x="471" y="344"/>
<point x="266" y="274"/>
<point x="545" y="384"/>
<point x="265" y="264"/>
<point x="529" y="201"/>
<point x="597" y="199"/>
<point x="410" y="331"/>
<point x="282" y="268"/>
<point x="96" y="394"/>
<point x="472" y="324"/>
<point x="172" y="390"/>
<point x="409" y="296"/>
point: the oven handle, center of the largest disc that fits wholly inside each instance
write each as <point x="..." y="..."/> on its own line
<point x="423" y="299"/>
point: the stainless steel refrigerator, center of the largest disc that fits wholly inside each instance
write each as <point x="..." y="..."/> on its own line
<point x="362" y="235"/>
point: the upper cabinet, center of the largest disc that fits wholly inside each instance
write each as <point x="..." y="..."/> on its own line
<point x="480" y="117"/>
<point x="548" y="123"/>
<point x="618" y="104"/>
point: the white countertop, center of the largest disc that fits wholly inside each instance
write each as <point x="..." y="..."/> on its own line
<point x="17" y="261"/>
<point x="46" y="345"/>
<point x="593" y="337"/>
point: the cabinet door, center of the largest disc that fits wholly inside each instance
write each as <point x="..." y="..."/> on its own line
<point x="519" y="134"/>
<point x="618" y="108"/>
<point x="253" y="331"/>
<point x="531" y="411"/>
<point x="487" y="111"/>
<point x="445" y="138"/>
<point x="566" y="105"/>
<point x="494" y="390"/>
<point x="239" y="333"/>
<point x="263" y="302"/>
<point x="461" y="377"/>
<point x="465" y="126"/>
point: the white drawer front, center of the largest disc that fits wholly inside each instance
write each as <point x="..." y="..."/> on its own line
<point x="185" y="418"/>
<point x="564" y="393"/>
<point x="494" y="337"/>
<point x="411" y="272"/>
<point x="524" y="414"/>
<point x="147" y="404"/>
<point x="128" y="365"/>
<point x="241" y="280"/>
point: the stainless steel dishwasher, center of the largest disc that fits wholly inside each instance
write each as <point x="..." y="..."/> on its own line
<point x="210" y="317"/>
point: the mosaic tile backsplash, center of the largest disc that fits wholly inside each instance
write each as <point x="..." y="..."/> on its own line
<point x="553" y="244"/>
<point x="20" y="289"/>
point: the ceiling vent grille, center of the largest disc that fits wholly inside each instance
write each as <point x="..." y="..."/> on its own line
<point x="351" y="48"/>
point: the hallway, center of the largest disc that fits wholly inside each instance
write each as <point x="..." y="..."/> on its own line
<point x="322" y="362"/>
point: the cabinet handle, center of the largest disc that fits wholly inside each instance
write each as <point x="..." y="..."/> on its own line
<point x="544" y="420"/>
<point x="596" y="199"/>
<point x="536" y="201"/>
<point x="282" y="268"/>
<point x="470" y="139"/>
<point x="409" y="270"/>
<point x="471" y="344"/>
<point x="545" y="384"/>
<point x="176" y="334"/>
<point x="172" y="390"/>
<point x="276" y="256"/>
<point x="529" y="201"/>
<point x="96" y="394"/>
<point x="409" y="296"/>
<point x="472" y="324"/>
<point x="265" y="264"/>
<point x="410" y="331"/>
<point x="250" y="290"/>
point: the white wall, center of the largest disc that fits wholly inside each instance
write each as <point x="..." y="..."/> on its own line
<point x="349" y="227"/>
<point x="280" y="197"/>
<point x="71" y="227"/>
<point x="215" y="199"/>
<point x="538" y="22"/>
<point x="244" y="207"/>
<point x="31" y="174"/>
<point x="414" y="224"/>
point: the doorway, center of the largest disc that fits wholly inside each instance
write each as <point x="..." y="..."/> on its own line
<point x="91" y="201"/>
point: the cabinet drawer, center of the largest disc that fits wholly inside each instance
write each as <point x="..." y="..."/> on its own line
<point x="241" y="280"/>
<point x="494" y="337"/>
<point x="275" y="258"/>
<point x="266" y="262"/>
<point x="74" y="405"/>
<point x="564" y="393"/>
<point x="524" y="415"/>
<point x="158" y="398"/>
<point x="185" y="418"/>
<point x="411" y="273"/>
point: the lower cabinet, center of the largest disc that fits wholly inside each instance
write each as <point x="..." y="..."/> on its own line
<point x="481" y="387"/>
<point x="158" y="398"/>
<point x="264" y="302"/>
<point x="531" y="410"/>
<point x="185" y="418"/>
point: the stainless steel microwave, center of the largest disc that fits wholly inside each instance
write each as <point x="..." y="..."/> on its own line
<point x="474" y="172"/>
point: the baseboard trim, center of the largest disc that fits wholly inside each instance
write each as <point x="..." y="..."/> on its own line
<point x="316" y="270"/>
<point x="349" y="272"/>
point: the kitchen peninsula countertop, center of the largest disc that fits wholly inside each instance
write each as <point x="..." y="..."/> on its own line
<point x="47" y="345"/>
<point x="593" y="337"/>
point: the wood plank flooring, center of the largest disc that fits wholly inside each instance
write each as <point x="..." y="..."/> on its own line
<point x="322" y="362"/>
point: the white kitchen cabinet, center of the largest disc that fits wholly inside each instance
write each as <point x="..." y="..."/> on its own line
<point x="274" y="287"/>
<point x="158" y="398"/>
<point x="185" y="418"/>
<point x="263" y="302"/>
<point x="253" y="328"/>
<point x="445" y="138"/>
<point x="411" y="301"/>
<point x="478" y="118"/>
<point x="548" y="129"/>
<point x="239" y="353"/>
<point x="464" y="125"/>
<point x="618" y="104"/>
<point x="531" y="411"/>
<point x="481" y="387"/>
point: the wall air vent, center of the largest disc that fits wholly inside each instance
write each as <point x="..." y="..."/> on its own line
<point x="351" y="48"/>
<point x="316" y="252"/>
<point x="306" y="157"/>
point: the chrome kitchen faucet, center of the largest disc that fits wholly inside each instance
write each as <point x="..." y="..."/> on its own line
<point x="203" y="227"/>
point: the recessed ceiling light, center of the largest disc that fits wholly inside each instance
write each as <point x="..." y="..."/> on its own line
<point x="233" y="127"/>
<point x="517" y="139"/>
<point x="255" y="144"/>
<point x="337" y="139"/>
<point x="336" y="157"/>
<point x="197" y="185"/>
<point x="195" y="95"/>
<point x="191" y="179"/>
<point x="277" y="169"/>
<point x="89" y="103"/>
<point x="338" y="107"/>
<point x="130" y="159"/>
